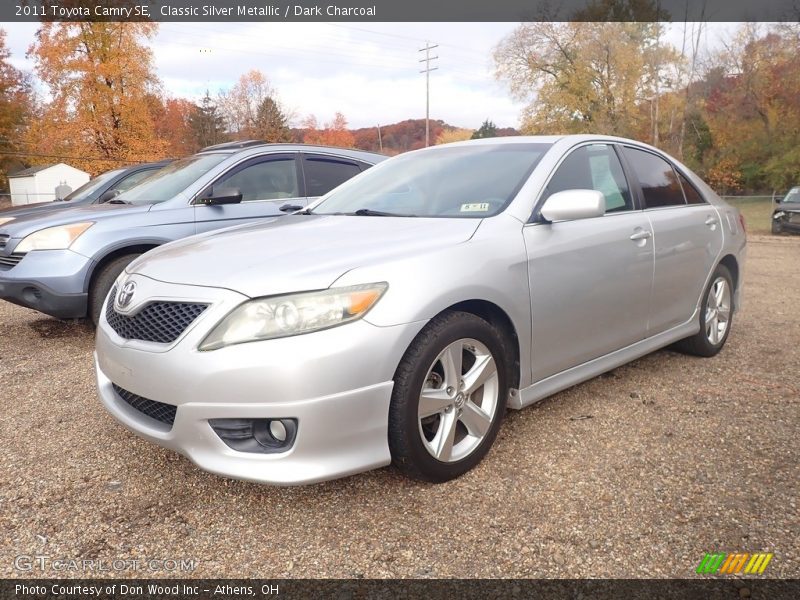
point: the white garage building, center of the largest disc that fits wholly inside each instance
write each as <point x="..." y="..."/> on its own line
<point x="38" y="184"/>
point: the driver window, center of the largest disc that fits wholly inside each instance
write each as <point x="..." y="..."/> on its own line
<point x="594" y="167"/>
<point x="270" y="179"/>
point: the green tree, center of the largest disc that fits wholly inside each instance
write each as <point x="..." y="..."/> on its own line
<point x="271" y="124"/>
<point x="486" y="130"/>
<point x="206" y="123"/>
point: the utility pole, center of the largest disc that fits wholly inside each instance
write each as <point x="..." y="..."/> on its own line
<point x="427" y="70"/>
<point x="380" y="139"/>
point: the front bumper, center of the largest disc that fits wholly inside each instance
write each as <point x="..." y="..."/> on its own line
<point x="50" y="281"/>
<point x="337" y="383"/>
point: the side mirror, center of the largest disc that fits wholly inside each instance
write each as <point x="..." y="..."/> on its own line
<point x="571" y="205"/>
<point x="108" y="195"/>
<point x="223" y="196"/>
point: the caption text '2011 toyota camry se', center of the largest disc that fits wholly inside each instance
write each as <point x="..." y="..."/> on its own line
<point x="395" y="319"/>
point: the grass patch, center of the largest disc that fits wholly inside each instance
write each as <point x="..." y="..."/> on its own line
<point x="757" y="213"/>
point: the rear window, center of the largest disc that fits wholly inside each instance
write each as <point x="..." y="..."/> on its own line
<point x="659" y="183"/>
<point x="323" y="174"/>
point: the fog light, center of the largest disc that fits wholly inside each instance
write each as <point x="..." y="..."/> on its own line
<point x="264" y="436"/>
<point x="278" y="430"/>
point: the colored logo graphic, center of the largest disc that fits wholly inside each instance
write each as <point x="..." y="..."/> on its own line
<point x="730" y="564"/>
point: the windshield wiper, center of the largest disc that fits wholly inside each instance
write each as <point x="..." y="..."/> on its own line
<point x="368" y="212"/>
<point x="117" y="201"/>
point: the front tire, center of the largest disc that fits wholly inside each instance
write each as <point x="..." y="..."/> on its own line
<point x="102" y="282"/>
<point x="449" y="397"/>
<point x="716" y="317"/>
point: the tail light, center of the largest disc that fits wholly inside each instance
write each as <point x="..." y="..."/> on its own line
<point x="742" y="223"/>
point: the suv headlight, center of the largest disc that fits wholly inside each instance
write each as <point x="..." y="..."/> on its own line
<point x="778" y="214"/>
<point x="53" y="238"/>
<point x="293" y="314"/>
<point x="4" y="220"/>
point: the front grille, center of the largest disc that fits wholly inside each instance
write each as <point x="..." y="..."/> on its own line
<point x="12" y="260"/>
<point x="3" y="240"/>
<point x="165" y="413"/>
<point x="160" y="322"/>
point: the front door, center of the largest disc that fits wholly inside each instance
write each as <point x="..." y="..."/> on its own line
<point x="590" y="279"/>
<point x="265" y="182"/>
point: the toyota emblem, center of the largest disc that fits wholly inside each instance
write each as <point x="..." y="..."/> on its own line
<point x="126" y="294"/>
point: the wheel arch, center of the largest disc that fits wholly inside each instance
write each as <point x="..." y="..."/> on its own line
<point x="113" y="253"/>
<point x="732" y="264"/>
<point x="494" y="314"/>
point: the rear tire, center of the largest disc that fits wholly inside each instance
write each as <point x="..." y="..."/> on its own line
<point x="716" y="317"/>
<point x="449" y="397"/>
<point x="102" y="282"/>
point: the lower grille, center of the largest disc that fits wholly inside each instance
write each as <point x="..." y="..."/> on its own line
<point x="161" y="322"/>
<point x="165" y="413"/>
<point x="12" y="260"/>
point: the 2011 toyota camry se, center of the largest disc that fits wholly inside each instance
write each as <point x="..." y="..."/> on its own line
<point x="396" y="318"/>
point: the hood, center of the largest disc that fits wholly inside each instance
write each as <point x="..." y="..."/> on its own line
<point x="296" y="252"/>
<point x="789" y="206"/>
<point x="37" y="208"/>
<point x="27" y="224"/>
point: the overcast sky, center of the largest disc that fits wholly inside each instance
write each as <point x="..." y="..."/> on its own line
<point x="368" y="71"/>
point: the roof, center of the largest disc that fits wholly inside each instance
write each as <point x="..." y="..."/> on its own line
<point x="31" y="171"/>
<point x="253" y="147"/>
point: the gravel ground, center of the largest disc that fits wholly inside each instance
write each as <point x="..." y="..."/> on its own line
<point x="637" y="473"/>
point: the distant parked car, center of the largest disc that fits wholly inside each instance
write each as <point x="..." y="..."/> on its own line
<point x="95" y="191"/>
<point x="786" y="216"/>
<point x="64" y="263"/>
<point x="395" y="319"/>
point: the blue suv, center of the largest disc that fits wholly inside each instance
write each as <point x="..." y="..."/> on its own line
<point x="64" y="263"/>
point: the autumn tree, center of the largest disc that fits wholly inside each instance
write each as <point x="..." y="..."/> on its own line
<point x="271" y="124"/>
<point x="98" y="75"/>
<point x="16" y="107"/>
<point x="334" y="133"/>
<point x="585" y="76"/>
<point x="454" y="134"/>
<point x="241" y="104"/>
<point x="173" y="123"/>
<point x="206" y="123"/>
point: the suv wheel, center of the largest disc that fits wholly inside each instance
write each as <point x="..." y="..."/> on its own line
<point x="102" y="282"/>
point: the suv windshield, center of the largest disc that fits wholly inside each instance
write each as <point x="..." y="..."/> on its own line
<point x="171" y="180"/>
<point x="473" y="181"/>
<point x="793" y="195"/>
<point x="88" y="188"/>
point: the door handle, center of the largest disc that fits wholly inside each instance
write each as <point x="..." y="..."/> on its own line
<point x="711" y="221"/>
<point x="641" y="235"/>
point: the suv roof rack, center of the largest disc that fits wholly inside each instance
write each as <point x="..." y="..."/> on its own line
<point x="234" y="145"/>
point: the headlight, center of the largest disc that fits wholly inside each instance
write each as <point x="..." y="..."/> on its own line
<point x="53" y="238"/>
<point x="778" y="214"/>
<point x="5" y="220"/>
<point x="293" y="314"/>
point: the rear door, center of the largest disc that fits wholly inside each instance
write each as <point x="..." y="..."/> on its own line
<point x="323" y="172"/>
<point x="266" y="182"/>
<point x="589" y="279"/>
<point x="687" y="238"/>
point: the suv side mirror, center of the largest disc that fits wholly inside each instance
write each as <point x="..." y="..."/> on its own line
<point x="223" y="196"/>
<point x="108" y="195"/>
<point x="570" y="205"/>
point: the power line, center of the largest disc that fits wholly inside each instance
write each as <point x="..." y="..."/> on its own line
<point x="427" y="70"/>
<point x="61" y="156"/>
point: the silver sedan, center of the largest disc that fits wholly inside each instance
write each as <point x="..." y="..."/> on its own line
<point x="395" y="319"/>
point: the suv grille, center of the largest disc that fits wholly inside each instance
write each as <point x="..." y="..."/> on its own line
<point x="165" y="413"/>
<point x="12" y="260"/>
<point x="161" y="322"/>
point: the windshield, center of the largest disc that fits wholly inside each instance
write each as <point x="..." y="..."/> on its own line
<point x="473" y="181"/>
<point x="793" y="195"/>
<point x="88" y="189"/>
<point x="170" y="181"/>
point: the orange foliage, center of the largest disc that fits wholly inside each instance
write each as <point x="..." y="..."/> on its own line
<point x="335" y="133"/>
<point x="99" y="76"/>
